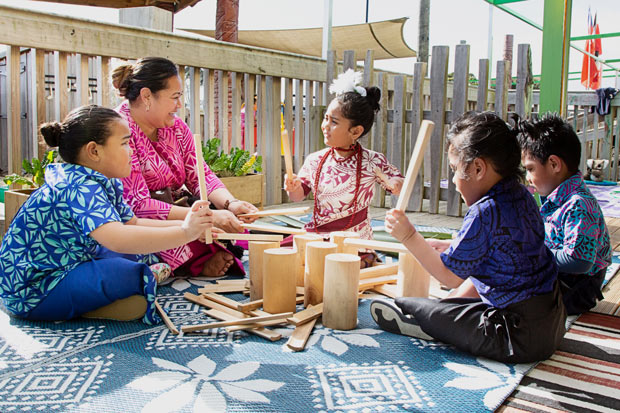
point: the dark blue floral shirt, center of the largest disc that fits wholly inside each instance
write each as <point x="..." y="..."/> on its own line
<point x="501" y="247"/>
<point x="49" y="236"/>
<point x="575" y="224"/>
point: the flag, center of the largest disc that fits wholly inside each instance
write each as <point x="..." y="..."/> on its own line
<point x="590" y="71"/>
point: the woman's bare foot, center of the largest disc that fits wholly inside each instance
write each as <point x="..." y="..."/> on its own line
<point x="218" y="264"/>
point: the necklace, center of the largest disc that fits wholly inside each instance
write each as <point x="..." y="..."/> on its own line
<point x="357" y="150"/>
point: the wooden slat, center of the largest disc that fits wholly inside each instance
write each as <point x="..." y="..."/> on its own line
<point x="396" y="142"/>
<point x="503" y="79"/>
<point x="222" y="108"/>
<point x="379" y="135"/>
<point x="234" y="322"/>
<point x="247" y="237"/>
<point x="298" y="339"/>
<point x="332" y="69"/>
<point x="348" y="60"/>
<point x="279" y="211"/>
<point x="459" y="106"/>
<point x="303" y="316"/>
<point x="523" y="105"/>
<point x="288" y="108"/>
<point x="182" y="112"/>
<point x="439" y="79"/>
<point x="250" y="91"/>
<point x="273" y="168"/>
<point x="208" y="104"/>
<point x="235" y="80"/>
<point x="417" y="114"/>
<point x="377" y="245"/>
<point x="615" y="158"/>
<point x="195" y="123"/>
<point x="299" y="125"/>
<point x="483" y="85"/>
<point x="58" y="32"/>
<point x="308" y="103"/>
<point x="316" y="135"/>
<point x="82" y="81"/>
<point x="41" y="97"/>
<point x="14" y="110"/>
<point x="584" y="139"/>
<point x="274" y="228"/>
<point x="166" y="319"/>
<point x="261" y="331"/>
<point x="103" y="86"/>
<point x="369" y="73"/>
<point x="61" y="86"/>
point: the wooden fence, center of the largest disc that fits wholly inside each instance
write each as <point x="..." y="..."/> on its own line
<point x="60" y="63"/>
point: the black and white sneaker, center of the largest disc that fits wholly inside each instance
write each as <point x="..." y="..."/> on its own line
<point x="390" y="318"/>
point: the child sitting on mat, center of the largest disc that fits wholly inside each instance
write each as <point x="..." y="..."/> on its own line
<point x="61" y="256"/>
<point x="575" y="227"/>
<point x="507" y="305"/>
<point x="342" y="176"/>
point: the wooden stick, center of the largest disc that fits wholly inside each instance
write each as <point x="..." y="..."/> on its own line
<point x="376" y="245"/>
<point x="387" y="290"/>
<point x="384" y="178"/>
<point x="288" y="158"/>
<point x="373" y="282"/>
<point x="200" y="171"/>
<point x="274" y="228"/>
<point x="234" y="322"/>
<point x="297" y="341"/>
<point x="261" y="331"/>
<point x="248" y="237"/>
<point x="237" y="283"/>
<point x="167" y="321"/>
<point x="303" y="316"/>
<point x="271" y="212"/>
<point x="256" y="325"/>
<point x="222" y="288"/>
<point x="378" y="271"/>
<point x="417" y="156"/>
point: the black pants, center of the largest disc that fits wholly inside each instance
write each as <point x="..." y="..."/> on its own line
<point x="523" y="332"/>
<point x="580" y="291"/>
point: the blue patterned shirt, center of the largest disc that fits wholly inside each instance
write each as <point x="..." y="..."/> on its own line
<point x="49" y="236"/>
<point x="501" y="247"/>
<point x="574" y="223"/>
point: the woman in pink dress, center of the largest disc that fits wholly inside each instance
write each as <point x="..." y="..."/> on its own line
<point x="164" y="160"/>
<point x="343" y="175"/>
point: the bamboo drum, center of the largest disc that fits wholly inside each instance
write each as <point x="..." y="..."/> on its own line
<point x="316" y="252"/>
<point x="279" y="290"/>
<point x="342" y="274"/>
<point x="300" y="242"/>
<point x="413" y="279"/>
<point x="256" y="250"/>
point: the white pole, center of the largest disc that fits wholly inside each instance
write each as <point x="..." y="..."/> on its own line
<point x="327" y="27"/>
<point x="490" y="39"/>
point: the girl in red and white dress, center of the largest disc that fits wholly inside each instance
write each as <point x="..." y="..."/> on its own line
<point x="343" y="175"/>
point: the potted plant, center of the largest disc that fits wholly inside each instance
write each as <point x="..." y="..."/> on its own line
<point x="239" y="170"/>
<point x="24" y="185"/>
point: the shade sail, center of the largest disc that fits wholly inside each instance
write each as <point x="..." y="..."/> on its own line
<point x="170" y="5"/>
<point x="384" y="37"/>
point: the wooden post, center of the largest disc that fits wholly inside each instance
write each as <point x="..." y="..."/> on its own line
<point x="14" y="111"/>
<point x="256" y="249"/>
<point x="315" y="268"/>
<point x="279" y="292"/>
<point x="286" y="148"/>
<point x="413" y="279"/>
<point x="200" y="171"/>
<point x="300" y="242"/>
<point x="338" y="237"/>
<point x="342" y="274"/>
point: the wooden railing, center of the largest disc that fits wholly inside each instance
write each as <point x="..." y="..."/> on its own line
<point x="67" y="61"/>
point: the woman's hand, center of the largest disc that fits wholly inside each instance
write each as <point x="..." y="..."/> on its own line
<point x="439" y="245"/>
<point x="292" y="183"/>
<point x="198" y="220"/>
<point x="395" y="185"/>
<point x="227" y="221"/>
<point x="243" y="207"/>
<point x="398" y="225"/>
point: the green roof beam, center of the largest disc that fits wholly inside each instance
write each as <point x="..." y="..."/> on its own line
<point x="595" y="36"/>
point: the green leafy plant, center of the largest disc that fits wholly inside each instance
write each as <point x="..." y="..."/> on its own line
<point x="34" y="171"/>
<point x="237" y="162"/>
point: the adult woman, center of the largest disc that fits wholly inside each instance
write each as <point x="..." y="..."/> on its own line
<point x="164" y="160"/>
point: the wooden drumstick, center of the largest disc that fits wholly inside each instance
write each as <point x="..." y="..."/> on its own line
<point x="417" y="156"/>
<point x="200" y="170"/>
<point x="384" y="178"/>
<point x="286" y="148"/>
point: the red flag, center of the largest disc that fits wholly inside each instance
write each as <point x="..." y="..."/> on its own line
<point x="590" y="71"/>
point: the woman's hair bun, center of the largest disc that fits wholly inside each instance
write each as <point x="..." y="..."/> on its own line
<point x="51" y="132"/>
<point x="121" y="76"/>
<point x="373" y="94"/>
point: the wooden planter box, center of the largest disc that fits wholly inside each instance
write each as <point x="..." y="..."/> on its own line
<point x="250" y="188"/>
<point x="13" y="200"/>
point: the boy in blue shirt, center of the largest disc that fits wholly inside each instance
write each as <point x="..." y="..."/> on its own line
<point x="575" y="229"/>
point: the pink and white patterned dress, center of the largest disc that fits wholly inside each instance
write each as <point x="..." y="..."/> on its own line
<point x="336" y="189"/>
<point x="171" y="161"/>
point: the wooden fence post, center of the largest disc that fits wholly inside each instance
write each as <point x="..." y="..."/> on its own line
<point x="523" y="104"/>
<point x="348" y="61"/>
<point x="503" y="79"/>
<point x="483" y="85"/>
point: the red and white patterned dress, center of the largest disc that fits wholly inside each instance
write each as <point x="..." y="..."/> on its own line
<point x="171" y="161"/>
<point x="336" y="189"/>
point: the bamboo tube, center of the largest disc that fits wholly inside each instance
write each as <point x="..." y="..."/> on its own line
<point x="413" y="279"/>
<point x="200" y="171"/>
<point x="338" y="237"/>
<point x="279" y="292"/>
<point x="300" y="242"/>
<point x="256" y="249"/>
<point x="342" y="273"/>
<point x="316" y="252"/>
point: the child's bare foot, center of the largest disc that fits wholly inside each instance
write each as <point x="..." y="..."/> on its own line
<point x="218" y="264"/>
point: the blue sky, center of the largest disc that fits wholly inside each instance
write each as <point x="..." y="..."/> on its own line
<point x="450" y="22"/>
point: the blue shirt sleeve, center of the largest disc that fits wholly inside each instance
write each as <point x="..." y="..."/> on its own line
<point x="470" y="248"/>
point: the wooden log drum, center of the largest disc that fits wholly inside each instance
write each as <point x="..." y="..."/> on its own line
<point x="340" y="297"/>
<point x="279" y="290"/>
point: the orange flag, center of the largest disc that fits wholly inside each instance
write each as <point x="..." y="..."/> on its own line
<point x="590" y="71"/>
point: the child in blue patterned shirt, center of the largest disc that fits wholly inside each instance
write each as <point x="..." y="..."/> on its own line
<point x="575" y="227"/>
<point x="507" y="305"/>
<point x="52" y="264"/>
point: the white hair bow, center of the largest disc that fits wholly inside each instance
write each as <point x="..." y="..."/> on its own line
<point x="348" y="82"/>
